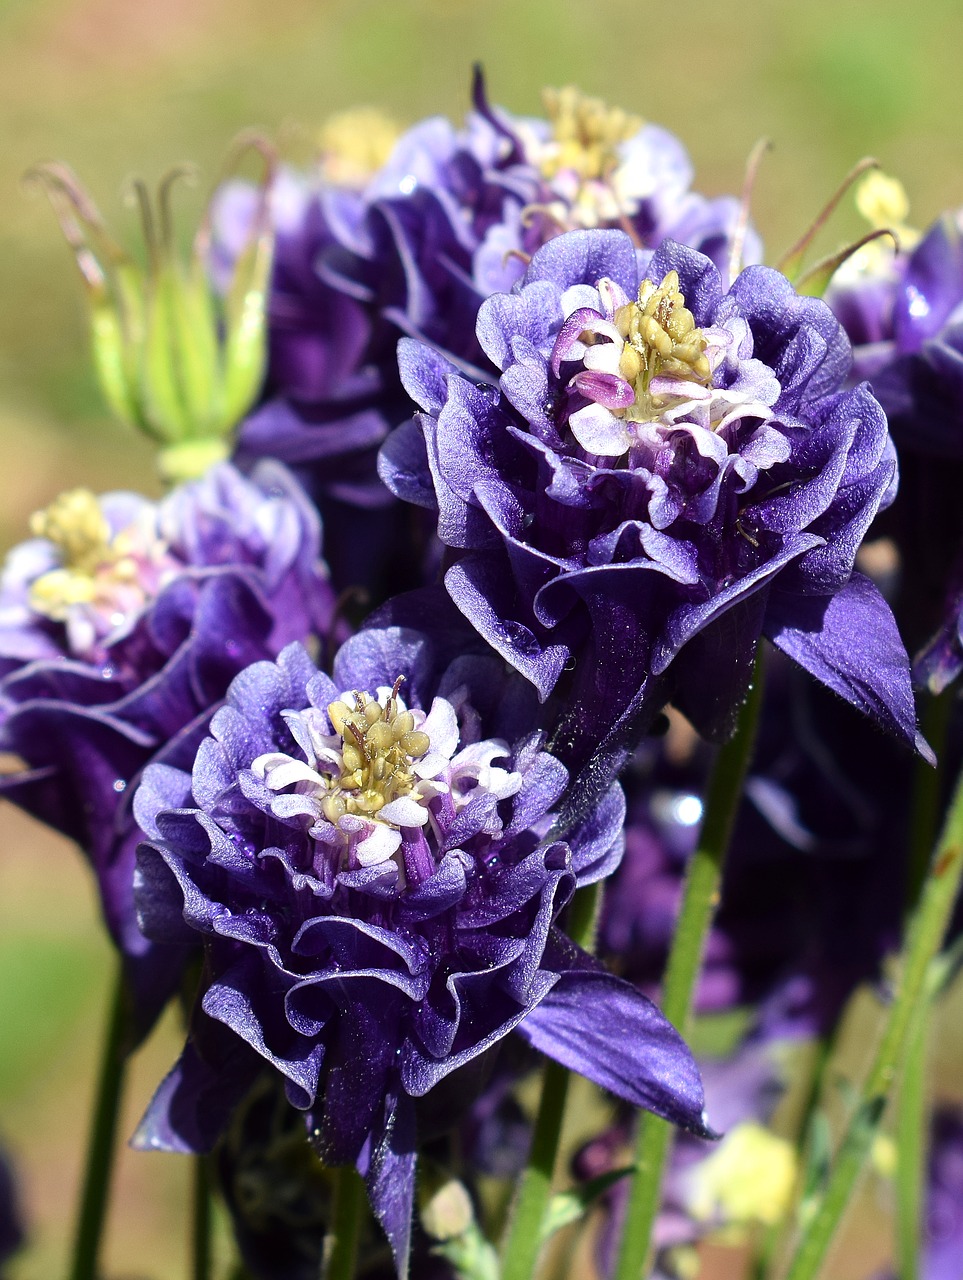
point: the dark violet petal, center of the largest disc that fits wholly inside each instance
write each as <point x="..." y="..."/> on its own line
<point x="598" y="843"/>
<point x="712" y="672"/>
<point x="850" y="643"/>
<point x="378" y="656"/>
<point x="237" y="1000"/>
<point x="424" y="374"/>
<point x="932" y="286"/>
<point x="531" y="313"/>
<point x="584" y="257"/>
<point x="389" y="1174"/>
<point x="403" y="465"/>
<point x="472" y="583"/>
<point x="605" y="1029"/>
<point x="195" y="1100"/>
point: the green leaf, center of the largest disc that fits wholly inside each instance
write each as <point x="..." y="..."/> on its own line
<point x="568" y="1206"/>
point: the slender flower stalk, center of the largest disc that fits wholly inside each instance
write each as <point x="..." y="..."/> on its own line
<point x="101" y="1143"/>
<point x="341" y="1246"/>
<point x="201" y="1221"/>
<point x="699" y="902"/>
<point x="522" y="1241"/>
<point x="923" y="939"/>
<point x="911" y="1124"/>
<point x="911" y="1144"/>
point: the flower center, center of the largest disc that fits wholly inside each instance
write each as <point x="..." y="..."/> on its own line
<point x="586" y="134"/>
<point x="379" y="745"/>
<point x="661" y="341"/>
<point x="78" y="528"/>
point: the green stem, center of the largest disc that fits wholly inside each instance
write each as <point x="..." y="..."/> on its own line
<point x="201" y="1223"/>
<point x="924" y="937"/>
<point x="341" y="1244"/>
<point x="911" y="1148"/>
<point x="523" y="1237"/>
<point x="699" y="901"/>
<point x="100" y="1145"/>
<point x="911" y="1119"/>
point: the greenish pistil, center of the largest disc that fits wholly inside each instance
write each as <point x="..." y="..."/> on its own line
<point x="380" y="743"/>
<point x="661" y="341"/>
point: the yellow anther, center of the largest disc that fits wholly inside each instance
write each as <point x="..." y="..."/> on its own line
<point x="379" y="745"/>
<point x="93" y="565"/>
<point x="661" y="340"/>
<point x="415" y="744"/>
<point x="338" y="714"/>
<point x="355" y="144"/>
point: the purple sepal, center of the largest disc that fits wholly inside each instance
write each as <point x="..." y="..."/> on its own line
<point x="388" y="1168"/>
<point x="194" y="1102"/>
<point x="595" y="1023"/>
<point x="849" y="641"/>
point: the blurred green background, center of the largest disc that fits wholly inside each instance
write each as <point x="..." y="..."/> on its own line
<point x="121" y="88"/>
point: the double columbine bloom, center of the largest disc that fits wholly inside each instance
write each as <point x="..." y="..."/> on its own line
<point x="376" y="881"/>
<point x="660" y="471"/>
<point x="122" y="623"/>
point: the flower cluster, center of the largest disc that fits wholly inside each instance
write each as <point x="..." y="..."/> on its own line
<point x="577" y="455"/>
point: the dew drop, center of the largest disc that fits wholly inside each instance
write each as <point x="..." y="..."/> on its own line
<point x="120" y="785"/>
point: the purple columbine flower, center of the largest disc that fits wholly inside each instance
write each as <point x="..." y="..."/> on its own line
<point x="413" y="244"/>
<point x="373" y="871"/>
<point x="664" y="471"/>
<point x="122" y="623"/>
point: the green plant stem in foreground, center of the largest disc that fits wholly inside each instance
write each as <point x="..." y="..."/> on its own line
<point x="522" y="1240"/>
<point x="923" y="940"/>
<point x="101" y="1143"/>
<point x="911" y="1109"/>
<point x="911" y="1147"/>
<point x="201" y="1221"/>
<point x="699" y="901"/>
<point x="341" y="1243"/>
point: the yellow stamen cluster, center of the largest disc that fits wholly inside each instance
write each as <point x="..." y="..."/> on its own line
<point x="355" y="144"/>
<point x="76" y="525"/>
<point x="587" y="133"/>
<point x="661" y="340"/>
<point x="380" y="744"/>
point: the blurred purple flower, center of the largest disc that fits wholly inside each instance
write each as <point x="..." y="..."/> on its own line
<point x="374" y="874"/>
<point x="122" y="623"/>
